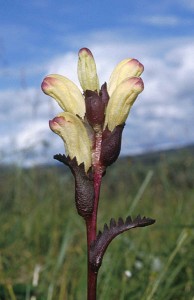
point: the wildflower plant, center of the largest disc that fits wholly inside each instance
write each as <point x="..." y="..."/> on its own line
<point x="91" y="126"/>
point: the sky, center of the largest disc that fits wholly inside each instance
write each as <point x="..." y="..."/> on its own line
<point x="41" y="37"/>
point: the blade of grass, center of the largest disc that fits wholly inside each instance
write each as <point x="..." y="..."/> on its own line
<point x="181" y="240"/>
<point x="141" y="191"/>
<point x="11" y="292"/>
<point x="60" y="259"/>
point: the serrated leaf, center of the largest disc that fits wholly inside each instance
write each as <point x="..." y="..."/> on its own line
<point x="104" y="238"/>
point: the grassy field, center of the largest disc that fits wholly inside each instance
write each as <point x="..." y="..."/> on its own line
<point x="42" y="239"/>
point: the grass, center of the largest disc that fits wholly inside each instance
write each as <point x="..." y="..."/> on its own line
<point x="42" y="240"/>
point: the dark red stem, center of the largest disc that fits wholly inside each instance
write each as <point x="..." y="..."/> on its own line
<point x="91" y="221"/>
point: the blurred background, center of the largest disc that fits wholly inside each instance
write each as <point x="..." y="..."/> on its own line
<point x="42" y="240"/>
<point x="41" y="37"/>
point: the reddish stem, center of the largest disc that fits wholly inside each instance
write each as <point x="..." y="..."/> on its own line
<point x="91" y="221"/>
<point x="92" y="276"/>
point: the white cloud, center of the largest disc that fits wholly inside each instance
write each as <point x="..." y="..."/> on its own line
<point x="187" y="4"/>
<point x="162" y="20"/>
<point x="166" y="20"/>
<point x="161" y="117"/>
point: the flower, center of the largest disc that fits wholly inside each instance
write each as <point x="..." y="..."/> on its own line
<point x="122" y="100"/>
<point x="65" y="92"/>
<point x="86" y="70"/>
<point x="128" y="273"/>
<point x="72" y="131"/>
<point x="126" y="68"/>
<point x="123" y="87"/>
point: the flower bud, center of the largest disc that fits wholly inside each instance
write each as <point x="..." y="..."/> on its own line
<point x="65" y="92"/>
<point x="126" y="68"/>
<point x="87" y="73"/>
<point x="121" y="101"/>
<point x="74" y="134"/>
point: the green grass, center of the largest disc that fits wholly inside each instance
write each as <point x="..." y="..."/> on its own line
<point x="42" y="235"/>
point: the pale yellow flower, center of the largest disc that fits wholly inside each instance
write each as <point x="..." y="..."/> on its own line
<point x="121" y="101"/>
<point x="74" y="134"/>
<point x="66" y="93"/>
<point x="86" y="70"/>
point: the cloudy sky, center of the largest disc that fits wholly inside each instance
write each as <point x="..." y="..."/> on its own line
<point x="42" y="36"/>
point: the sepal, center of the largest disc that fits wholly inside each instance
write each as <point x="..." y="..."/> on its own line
<point x="84" y="185"/>
<point x="111" y="145"/>
<point x="94" y="108"/>
<point x="104" y="94"/>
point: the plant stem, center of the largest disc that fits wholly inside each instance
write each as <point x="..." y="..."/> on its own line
<point x="92" y="284"/>
<point x="91" y="236"/>
<point x="97" y="185"/>
<point x="92" y="276"/>
<point x="91" y="221"/>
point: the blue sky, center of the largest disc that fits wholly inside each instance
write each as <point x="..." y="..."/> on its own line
<point x="42" y="37"/>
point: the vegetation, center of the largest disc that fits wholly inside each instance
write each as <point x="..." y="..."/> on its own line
<point x="42" y="240"/>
